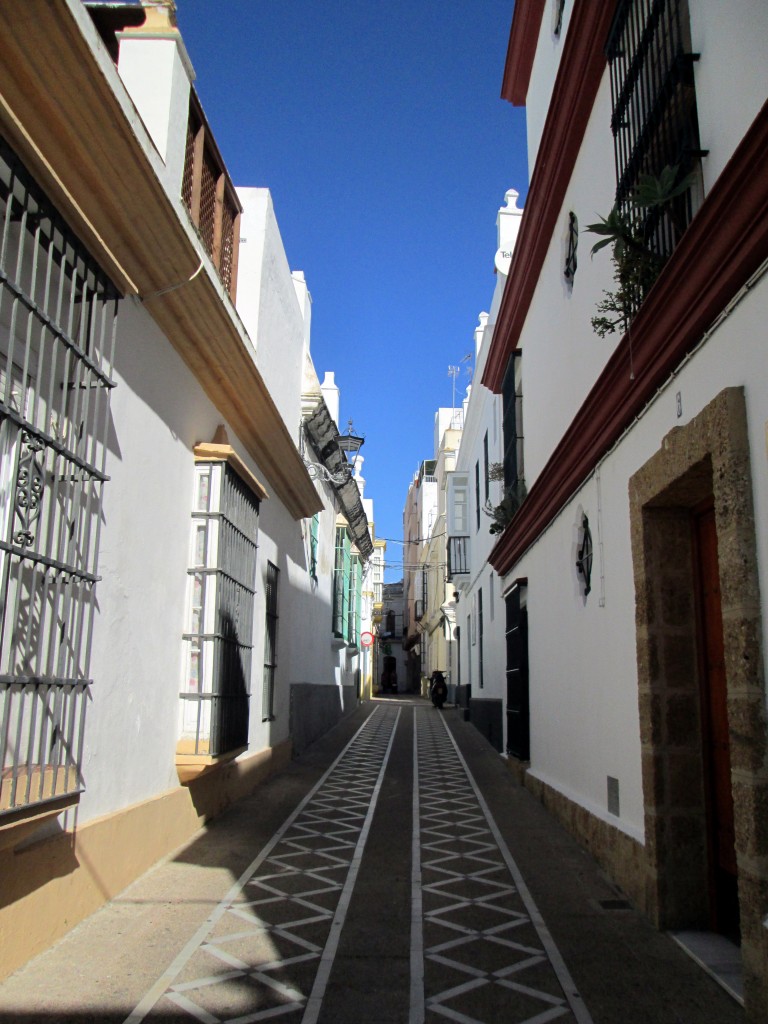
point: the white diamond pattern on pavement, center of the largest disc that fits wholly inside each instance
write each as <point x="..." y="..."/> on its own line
<point x="487" y="954"/>
<point x="266" y="951"/>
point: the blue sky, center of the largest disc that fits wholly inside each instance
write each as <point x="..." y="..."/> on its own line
<point x="379" y="130"/>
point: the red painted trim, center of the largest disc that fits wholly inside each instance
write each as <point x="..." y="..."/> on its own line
<point x="725" y="244"/>
<point x="523" y="37"/>
<point x="581" y="68"/>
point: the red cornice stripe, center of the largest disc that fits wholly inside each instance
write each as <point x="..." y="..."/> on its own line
<point x="578" y="78"/>
<point x="724" y="245"/>
<point x="523" y="36"/>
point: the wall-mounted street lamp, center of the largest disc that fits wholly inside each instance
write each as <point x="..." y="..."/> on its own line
<point x="350" y="444"/>
<point x="338" y="456"/>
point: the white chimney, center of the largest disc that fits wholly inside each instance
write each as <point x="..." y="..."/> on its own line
<point x="508" y="226"/>
<point x="331" y="395"/>
<point x="482" y="321"/>
<point x="156" y="70"/>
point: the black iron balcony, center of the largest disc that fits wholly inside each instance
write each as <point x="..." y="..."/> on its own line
<point x="458" y="556"/>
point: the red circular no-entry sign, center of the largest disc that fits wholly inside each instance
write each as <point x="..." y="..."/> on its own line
<point x="366" y="639"/>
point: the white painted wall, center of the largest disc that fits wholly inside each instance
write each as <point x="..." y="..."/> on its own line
<point x="483" y="416"/>
<point x="731" y="75"/>
<point x="543" y="73"/>
<point x="158" y="414"/>
<point x="583" y="677"/>
<point x="583" y="683"/>
<point x="562" y="356"/>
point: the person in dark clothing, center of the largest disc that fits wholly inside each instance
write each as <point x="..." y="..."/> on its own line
<point x="438" y="690"/>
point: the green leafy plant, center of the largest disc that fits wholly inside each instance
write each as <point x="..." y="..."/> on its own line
<point x="629" y="230"/>
<point x="503" y="513"/>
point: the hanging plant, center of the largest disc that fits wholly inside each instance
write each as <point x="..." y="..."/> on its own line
<point x="630" y="231"/>
<point x="503" y="513"/>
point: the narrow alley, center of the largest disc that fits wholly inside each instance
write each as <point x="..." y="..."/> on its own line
<point x="395" y="873"/>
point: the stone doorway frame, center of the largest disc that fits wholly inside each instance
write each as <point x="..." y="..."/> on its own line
<point x="708" y="457"/>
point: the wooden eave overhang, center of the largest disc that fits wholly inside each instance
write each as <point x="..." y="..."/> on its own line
<point x="323" y="436"/>
<point x="65" y="111"/>
<point x="578" y="78"/>
<point x="523" y="36"/>
<point x="725" y="244"/>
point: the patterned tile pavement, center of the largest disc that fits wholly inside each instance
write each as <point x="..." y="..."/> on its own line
<point x="266" y="951"/>
<point x="487" y="953"/>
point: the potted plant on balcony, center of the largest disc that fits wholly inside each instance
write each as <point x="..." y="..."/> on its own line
<point x="631" y="231"/>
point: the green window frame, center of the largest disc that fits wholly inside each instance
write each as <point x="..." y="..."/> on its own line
<point x="341" y="572"/>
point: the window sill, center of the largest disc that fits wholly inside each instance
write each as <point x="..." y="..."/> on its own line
<point x="17" y="825"/>
<point x="190" y="767"/>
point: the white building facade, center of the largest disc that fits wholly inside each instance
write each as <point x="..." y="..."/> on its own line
<point x="634" y="569"/>
<point x="474" y="490"/>
<point x="168" y="530"/>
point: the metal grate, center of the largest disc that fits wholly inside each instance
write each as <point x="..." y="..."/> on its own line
<point x="188" y="178"/>
<point x="207" y="222"/>
<point x="654" y="120"/>
<point x="226" y="264"/>
<point x="216" y="696"/>
<point x="58" y="314"/>
<point x="458" y="556"/>
<point x="512" y="426"/>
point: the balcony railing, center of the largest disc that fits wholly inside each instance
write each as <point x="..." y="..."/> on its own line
<point x="458" y="556"/>
<point x="209" y="195"/>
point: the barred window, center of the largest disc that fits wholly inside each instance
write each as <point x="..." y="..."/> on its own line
<point x="216" y="689"/>
<point x="378" y="575"/>
<point x="347" y="589"/>
<point x="512" y="404"/>
<point x="477" y="495"/>
<point x="341" y="571"/>
<point x="58" y="316"/>
<point x="654" y="121"/>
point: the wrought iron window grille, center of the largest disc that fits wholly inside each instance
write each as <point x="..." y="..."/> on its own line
<point x="57" y="336"/>
<point x="458" y="556"/>
<point x="512" y="423"/>
<point x="215" y="695"/>
<point x="654" y="120"/>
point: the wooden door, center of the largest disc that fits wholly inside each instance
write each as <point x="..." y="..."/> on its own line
<point x="716" y="737"/>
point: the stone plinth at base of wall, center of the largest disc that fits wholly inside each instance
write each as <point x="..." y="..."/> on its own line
<point x="622" y="857"/>
<point x="52" y="885"/>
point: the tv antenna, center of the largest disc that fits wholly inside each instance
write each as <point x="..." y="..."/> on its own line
<point x="453" y="372"/>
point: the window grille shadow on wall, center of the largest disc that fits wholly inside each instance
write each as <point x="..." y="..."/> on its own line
<point x="58" y="316"/>
<point x="215" y="693"/>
